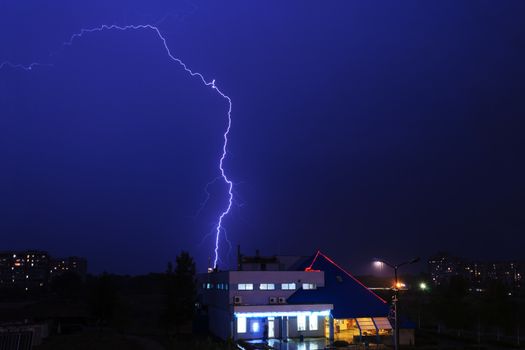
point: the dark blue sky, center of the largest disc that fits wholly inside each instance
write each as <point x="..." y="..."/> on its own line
<point x="365" y="129"/>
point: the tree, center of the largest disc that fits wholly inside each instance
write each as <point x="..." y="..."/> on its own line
<point x="104" y="299"/>
<point x="68" y="285"/>
<point x="496" y="308"/>
<point x="452" y="306"/>
<point x="180" y="292"/>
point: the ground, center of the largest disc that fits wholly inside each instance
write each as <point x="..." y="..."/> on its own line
<point x="90" y="341"/>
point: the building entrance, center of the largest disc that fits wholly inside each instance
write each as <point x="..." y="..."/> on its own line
<point x="271" y="327"/>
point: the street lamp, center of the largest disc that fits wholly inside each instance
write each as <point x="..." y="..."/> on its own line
<point x="423" y="287"/>
<point x="395" y="267"/>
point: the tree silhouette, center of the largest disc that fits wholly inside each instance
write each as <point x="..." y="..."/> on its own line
<point x="180" y="293"/>
<point x="104" y="299"/>
<point x="68" y="285"/>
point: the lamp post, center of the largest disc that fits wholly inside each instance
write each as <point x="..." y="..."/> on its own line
<point x="422" y="287"/>
<point x="395" y="299"/>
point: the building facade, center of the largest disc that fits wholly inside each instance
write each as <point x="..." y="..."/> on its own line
<point x="314" y="299"/>
<point x="478" y="274"/>
<point x="33" y="270"/>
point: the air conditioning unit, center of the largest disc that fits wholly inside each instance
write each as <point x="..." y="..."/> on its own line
<point x="237" y="300"/>
<point x="273" y="300"/>
<point x="282" y="300"/>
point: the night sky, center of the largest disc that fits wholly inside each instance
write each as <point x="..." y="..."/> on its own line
<point x="365" y="129"/>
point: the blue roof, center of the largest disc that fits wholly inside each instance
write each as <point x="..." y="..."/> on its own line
<point x="349" y="297"/>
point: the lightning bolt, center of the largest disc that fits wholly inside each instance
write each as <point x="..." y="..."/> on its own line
<point x="26" y="67"/>
<point x="209" y="83"/>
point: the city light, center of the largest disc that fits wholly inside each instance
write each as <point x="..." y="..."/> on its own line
<point x="400" y="285"/>
<point x="423" y="286"/>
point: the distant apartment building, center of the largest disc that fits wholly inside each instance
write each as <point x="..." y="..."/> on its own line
<point x="71" y="264"/>
<point x="33" y="270"/>
<point x="478" y="273"/>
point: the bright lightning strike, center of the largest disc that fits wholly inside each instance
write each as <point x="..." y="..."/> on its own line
<point x="219" y="226"/>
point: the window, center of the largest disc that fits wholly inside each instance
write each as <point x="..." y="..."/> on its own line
<point x="241" y="324"/>
<point x="309" y="286"/>
<point x="288" y="286"/>
<point x="266" y="286"/>
<point x="301" y="322"/>
<point x="313" y="325"/>
<point x="255" y="326"/>
<point x="245" y="286"/>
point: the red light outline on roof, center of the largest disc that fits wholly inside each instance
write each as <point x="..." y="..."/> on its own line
<point x="309" y="268"/>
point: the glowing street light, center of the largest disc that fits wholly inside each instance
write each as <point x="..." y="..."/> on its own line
<point x="423" y="286"/>
<point x="401" y="285"/>
<point x="378" y="264"/>
<point x="397" y="286"/>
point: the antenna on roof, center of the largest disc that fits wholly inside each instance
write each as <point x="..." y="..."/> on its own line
<point x="210" y="269"/>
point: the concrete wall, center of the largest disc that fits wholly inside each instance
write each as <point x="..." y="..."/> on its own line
<point x="220" y="322"/>
<point x="262" y="297"/>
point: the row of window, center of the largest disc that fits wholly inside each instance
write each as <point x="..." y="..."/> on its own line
<point x="262" y="286"/>
<point x="271" y="286"/>
<point x="313" y="324"/>
<point x="220" y="286"/>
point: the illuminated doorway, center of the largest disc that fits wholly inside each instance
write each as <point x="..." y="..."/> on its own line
<point x="271" y="327"/>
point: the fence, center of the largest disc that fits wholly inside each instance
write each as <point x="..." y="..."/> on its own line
<point x="18" y="340"/>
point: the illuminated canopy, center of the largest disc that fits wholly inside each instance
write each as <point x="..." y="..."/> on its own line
<point x="281" y="313"/>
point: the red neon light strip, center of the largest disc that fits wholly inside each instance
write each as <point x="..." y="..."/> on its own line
<point x="309" y="268"/>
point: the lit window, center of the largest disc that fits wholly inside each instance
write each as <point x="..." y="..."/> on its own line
<point x="313" y="325"/>
<point x="301" y="322"/>
<point x="241" y="324"/>
<point x="309" y="286"/>
<point x="245" y="286"/>
<point x="266" y="286"/>
<point x="288" y="286"/>
<point x="255" y="326"/>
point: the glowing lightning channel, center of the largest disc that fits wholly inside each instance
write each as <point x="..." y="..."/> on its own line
<point x="211" y="84"/>
<point x="26" y="67"/>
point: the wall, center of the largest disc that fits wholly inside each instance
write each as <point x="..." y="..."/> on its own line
<point x="261" y="297"/>
<point x="220" y="322"/>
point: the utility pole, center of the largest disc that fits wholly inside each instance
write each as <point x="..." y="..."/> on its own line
<point x="395" y="298"/>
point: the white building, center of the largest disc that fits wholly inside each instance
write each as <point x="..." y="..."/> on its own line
<point x="314" y="299"/>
